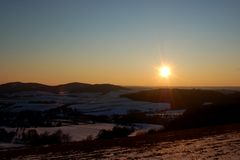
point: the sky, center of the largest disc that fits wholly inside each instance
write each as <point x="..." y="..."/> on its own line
<point x="120" y="41"/>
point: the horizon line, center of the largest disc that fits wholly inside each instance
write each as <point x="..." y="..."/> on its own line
<point x="139" y="86"/>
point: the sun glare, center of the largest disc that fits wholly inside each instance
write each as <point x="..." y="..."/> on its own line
<point x="164" y="71"/>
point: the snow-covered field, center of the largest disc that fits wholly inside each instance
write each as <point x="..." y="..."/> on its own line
<point x="111" y="103"/>
<point x="87" y="103"/>
<point x="224" y="146"/>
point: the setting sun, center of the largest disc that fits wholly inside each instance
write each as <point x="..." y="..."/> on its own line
<point x="164" y="71"/>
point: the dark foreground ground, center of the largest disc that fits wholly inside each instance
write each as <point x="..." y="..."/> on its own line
<point x="218" y="142"/>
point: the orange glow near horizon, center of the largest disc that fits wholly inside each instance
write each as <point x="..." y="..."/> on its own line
<point x="123" y="43"/>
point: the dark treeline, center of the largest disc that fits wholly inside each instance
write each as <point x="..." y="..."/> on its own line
<point x="32" y="137"/>
<point x="207" y="115"/>
<point x="56" y="118"/>
<point x="116" y="132"/>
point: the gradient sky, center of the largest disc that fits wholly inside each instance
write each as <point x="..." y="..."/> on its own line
<point x="120" y="41"/>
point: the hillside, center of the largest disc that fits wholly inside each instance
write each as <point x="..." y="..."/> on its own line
<point x="203" y="107"/>
<point x="70" y="87"/>
<point x="185" y="98"/>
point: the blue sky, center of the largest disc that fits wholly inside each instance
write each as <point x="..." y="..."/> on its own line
<point x="120" y="41"/>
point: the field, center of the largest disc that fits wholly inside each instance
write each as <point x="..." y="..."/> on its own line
<point x="132" y="124"/>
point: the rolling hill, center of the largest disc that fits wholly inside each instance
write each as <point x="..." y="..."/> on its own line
<point x="75" y="87"/>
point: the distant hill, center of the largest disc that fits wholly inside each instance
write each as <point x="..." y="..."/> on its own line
<point x="69" y="87"/>
<point x="84" y="87"/>
<point x="18" y="87"/>
<point x="185" y="98"/>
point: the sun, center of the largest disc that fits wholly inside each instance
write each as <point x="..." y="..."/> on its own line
<point x="164" y="71"/>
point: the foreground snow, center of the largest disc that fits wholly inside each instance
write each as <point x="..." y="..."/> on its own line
<point x="224" y="146"/>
